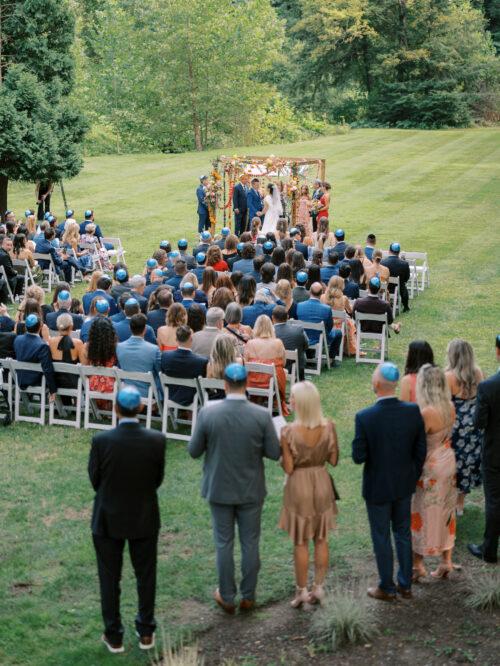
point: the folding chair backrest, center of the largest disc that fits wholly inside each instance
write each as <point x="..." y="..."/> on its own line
<point x="206" y="384"/>
<point x="272" y="390"/>
<point x="3" y="275"/>
<point x="171" y="409"/>
<point x="320" y="347"/>
<point x="76" y="393"/>
<point x="365" y="354"/>
<point x="23" y="394"/>
<point x="340" y="315"/>
<point x="91" y="395"/>
<point x="126" y="377"/>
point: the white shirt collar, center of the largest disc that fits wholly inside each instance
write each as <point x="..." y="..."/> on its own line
<point x="128" y="419"/>
<point x="385" y="397"/>
<point x="236" y="396"/>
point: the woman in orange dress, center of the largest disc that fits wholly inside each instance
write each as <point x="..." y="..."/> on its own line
<point x="309" y="508"/>
<point x="335" y="298"/>
<point x="433" y="523"/>
<point x="166" y="337"/>
<point x="419" y="353"/>
<point x="324" y="203"/>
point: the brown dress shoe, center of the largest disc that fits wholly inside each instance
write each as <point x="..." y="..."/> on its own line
<point x="405" y="593"/>
<point x="377" y="593"/>
<point x="247" y="605"/>
<point x="230" y="609"/>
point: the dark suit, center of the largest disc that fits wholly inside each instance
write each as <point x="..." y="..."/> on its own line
<point x="51" y="319"/>
<point x="234" y="483"/>
<point x="401" y="269"/>
<point x="315" y="312"/>
<point x="203" y="218"/>
<point x="390" y="441"/>
<point x="300" y="294"/>
<point x="372" y="305"/>
<point x="488" y="417"/>
<point x="184" y="364"/>
<point x="157" y="318"/>
<point x="16" y="282"/>
<point x="254" y="203"/>
<point x="240" y="204"/>
<point x="126" y="466"/>
<point x="30" y="348"/>
<point x="252" y="312"/>
<point x="43" y="246"/>
<point x="294" y="338"/>
<point x="302" y="248"/>
<point x="123" y="331"/>
<point x="351" y="289"/>
<point x="89" y="296"/>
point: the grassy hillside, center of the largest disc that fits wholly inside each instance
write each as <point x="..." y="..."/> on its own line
<point x="434" y="191"/>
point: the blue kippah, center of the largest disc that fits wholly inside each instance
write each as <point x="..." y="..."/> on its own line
<point x="45" y="217"/>
<point x="131" y="301"/>
<point x="235" y="372"/>
<point x="301" y="277"/>
<point x="121" y="274"/>
<point x="240" y="246"/>
<point x="339" y="233"/>
<point x="375" y="282"/>
<point x="88" y="213"/>
<point x="64" y="295"/>
<point x="174" y="254"/>
<point x="27" y="213"/>
<point x="294" y="231"/>
<point x="164" y="243"/>
<point x="182" y="243"/>
<point x="389" y="371"/>
<point x="395" y="247"/>
<point x="158" y="272"/>
<point x="187" y="286"/>
<point x="226" y="231"/>
<point x="70" y="213"/>
<point x="102" y="305"/>
<point x="128" y="397"/>
<point x="200" y="257"/>
<point x="268" y="245"/>
<point x="151" y="263"/>
<point x="31" y="320"/>
<point x="205" y="235"/>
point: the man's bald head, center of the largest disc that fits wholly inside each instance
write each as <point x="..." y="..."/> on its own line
<point x="316" y="289"/>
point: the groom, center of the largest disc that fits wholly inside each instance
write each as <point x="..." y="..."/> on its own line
<point x="240" y="205"/>
<point x="254" y="200"/>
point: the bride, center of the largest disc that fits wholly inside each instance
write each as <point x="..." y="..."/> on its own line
<point x="273" y="209"/>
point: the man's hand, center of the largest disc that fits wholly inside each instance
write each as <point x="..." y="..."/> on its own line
<point x="259" y="213"/>
<point x="52" y="397"/>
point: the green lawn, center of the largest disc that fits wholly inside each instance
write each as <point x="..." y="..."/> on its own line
<point x="433" y="191"/>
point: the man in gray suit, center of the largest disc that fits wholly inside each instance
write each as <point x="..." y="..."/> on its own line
<point x="235" y="436"/>
<point x="203" y="341"/>
<point x="292" y="335"/>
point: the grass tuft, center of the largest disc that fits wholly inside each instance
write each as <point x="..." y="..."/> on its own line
<point x="484" y="592"/>
<point x="175" y="653"/>
<point x="344" y="619"/>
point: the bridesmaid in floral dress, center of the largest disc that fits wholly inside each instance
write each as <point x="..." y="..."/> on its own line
<point x="304" y="210"/>
<point x="433" y="522"/>
<point x="463" y="377"/>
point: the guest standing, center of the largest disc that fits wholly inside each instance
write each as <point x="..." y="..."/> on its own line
<point x="419" y="353"/>
<point x="433" y="523"/>
<point x="309" y="508"/>
<point x="390" y="441"/>
<point x="126" y="467"/>
<point x="234" y="483"/>
<point x="240" y="205"/>
<point x="304" y="210"/>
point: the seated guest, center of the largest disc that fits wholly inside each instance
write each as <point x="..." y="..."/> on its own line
<point x="31" y="306"/>
<point x="209" y="282"/>
<point x="360" y="254"/>
<point x="371" y="242"/>
<point x="38" y="294"/>
<point x="314" y="311"/>
<point x="299" y="246"/>
<point x="89" y="219"/>
<point x="203" y="341"/>
<point x="64" y="307"/>
<point x="123" y="327"/>
<point x="351" y="288"/>
<point x="182" y="246"/>
<point x="21" y="250"/>
<point x="167" y="335"/>
<point x="267" y="272"/>
<point x="63" y="264"/>
<point x="120" y="284"/>
<point x="398" y="268"/>
<point x="266" y="348"/>
<point x="235" y="329"/>
<point x="60" y="286"/>
<point x="137" y="284"/>
<point x="90" y="238"/>
<point x="120" y="315"/>
<point x="230" y="251"/>
<point x="245" y="264"/>
<point x="278" y="256"/>
<point x="323" y="238"/>
<point x="158" y="317"/>
<point x="357" y="270"/>
<point x="30" y="348"/>
<point x="419" y="353"/>
<point x="180" y="270"/>
<point x="377" y="269"/>
<point x="215" y="260"/>
<point x="155" y="281"/>
<point x="205" y="243"/>
<point x="7" y="324"/>
<point x="246" y="290"/>
<point x="199" y="295"/>
<point x="224" y="233"/>
<point x="65" y="349"/>
<point x="98" y="308"/>
<point x="373" y="304"/>
<point x="313" y="275"/>
<point x="225" y="280"/>
<point x="284" y="297"/>
<point x="196" y="317"/>
<point x="340" y="244"/>
<point x="222" y="297"/>
<point x="298" y="263"/>
<point x="16" y="282"/>
<point x="7" y="334"/>
<point x="331" y="268"/>
<point x="201" y="259"/>
<point x="317" y="258"/>
<point x="258" y="262"/>
<point x="236" y="279"/>
<point x="223" y="354"/>
<point x="292" y="335"/>
<point x="103" y="290"/>
<point x="101" y="353"/>
<point x="285" y="272"/>
<point x="188" y="293"/>
<point x="335" y="297"/>
<point x="137" y="355"/>
<point x="263" y="304"/>
<point x="184" y="364"/>
<point x="300" y="293"/>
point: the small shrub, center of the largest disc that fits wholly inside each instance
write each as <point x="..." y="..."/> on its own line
<point x="484" y="592"/>
<point x="178" y="655"/>
<point x="344" y="619"/>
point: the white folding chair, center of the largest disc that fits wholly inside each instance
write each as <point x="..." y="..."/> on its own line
<point x="413" y="281"/>
<point x="363" y="293"/>
<point x="58" y="407"/>
<point x="152" y="398"/>
<point x="76" y="273"/>
<point x="117" y="253"/>
<point x="421" y="266"/>
<point x="25" y="395"/>
<point x="395" y="296"/>
<point x="171" y="408"/>
<point x="320" y="348"/>
<point x="91" y="396"/>
<point x="292" y="374"/>
<point x="3" y="275"/>
<point x="23" y="268"/>
<point x="93" y="254"/>
<point x="205" y="384"/>
<point x="371" y="347"/>
<point x="271" y="391"/>
<point x="6" y="381"/>
<point x="341" y="315"/>
<point x="50" y="275"/>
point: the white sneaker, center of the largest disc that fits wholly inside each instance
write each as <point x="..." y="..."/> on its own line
<point x="146" y="642"/>
<point x="114" y="648"/>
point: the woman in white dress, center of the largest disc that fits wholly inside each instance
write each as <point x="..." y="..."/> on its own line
<point x="273" y="209"/>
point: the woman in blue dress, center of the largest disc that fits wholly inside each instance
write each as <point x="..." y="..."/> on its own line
<point x="463" y="376"/>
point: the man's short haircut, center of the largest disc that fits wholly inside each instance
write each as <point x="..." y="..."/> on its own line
<point x="183" y="333"/>
<point x="248" y="251"/>
<point x="258" y="262"/>
<point x="267" y="272"/>
<point x="187" y="288"/>
<point x="180" y="266"/>
<point x="104" y="283"/>
<point x="138" y="324"/>
<point x="255" y="180"/>
<point x="164" y="298"/>
<point x="373" y="288"/>
<point x="49" y="233"/>
<point x="333" y="257"/>
<point x="214" y="316"/>
<point x="344" y="271"/>
<point x="132" y="309"/>
<point x="371" y="238"/>
<point x="123" y="299"/>
<point x="280" y="314"/>
<point x="137" y="281"/>
<point x="350" y="251"/>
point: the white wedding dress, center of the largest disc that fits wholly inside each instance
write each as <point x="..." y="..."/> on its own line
<point x="274" y="211"/>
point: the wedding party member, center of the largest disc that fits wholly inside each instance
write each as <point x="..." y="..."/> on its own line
<point x="309" y="507"/>
<point x="254" y="200"/>
<point x="317" y="194"/>
<point x="433" y="522"/>
<point x="240" y="205"/>
<point x="390" y="441"/>
<point x="324" y="202"/>
<point x="126" y="467"/>
<point x="487" y="417"/>
<point x="203" y="218"/>
<point x="273" y="208"/>
<point x="419" y="353"/>
<point x="234" y="482"/>
<point x="463" y="377"/>
<point x="304" y="210"/>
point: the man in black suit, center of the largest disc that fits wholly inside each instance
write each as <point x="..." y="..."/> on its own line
<point x="390" y="441"/>
<point x="16" y="282"/>
<point x="373" y="304"/>
<point x="398" y="268"/>
<point x="183" y="363"/>
<point x="126" y="467"/>
<point x="293" y="336"/>
<point x="488" y="417"/>
<point x="240" y="205"/>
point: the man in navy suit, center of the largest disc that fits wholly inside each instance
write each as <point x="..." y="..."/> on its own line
<point x="240" y="205"/>
<point x="157" y="318"/>
<point x="254" y="200"/>
<point x="62" y="264"/>
<point x="245" y="264"/>
<point x="30" y="348"/>
<point x="340" y="244"/>
<point x="390" y="441"/>
<point x="331" y="268"/>
<point x="63" y="307"/>
<point x="315" y="312"/>
<point x="103" y="290"/>
<point x="184" y="364"/>
<point x="264" y="304"/>
<point x="398" y="268"/>
<point x="137" y="355"/>
<point x="89" y="219"/>
<point x="297" y="234"/>
<point x="203" y="218"/>
<point x="122" y="328"/>
<point x="188" y="296"/>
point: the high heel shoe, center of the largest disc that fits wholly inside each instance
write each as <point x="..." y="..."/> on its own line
<point x="317" y="594"/>
<point x="301" y="597"/>
<point x="442" y="571"/>
<point x="418" y="573"/>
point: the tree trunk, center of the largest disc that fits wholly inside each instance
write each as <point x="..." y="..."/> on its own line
<point x="195" y="116"/>
<point x="366" y="65"/>
<point x="4" y="182"/>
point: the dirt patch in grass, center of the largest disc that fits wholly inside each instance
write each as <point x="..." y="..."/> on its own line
<point x="75" y="514"/>
<point x="20" y="588"/>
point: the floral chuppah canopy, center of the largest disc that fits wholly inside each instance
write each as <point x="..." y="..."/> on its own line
<point x="290" y="172"/>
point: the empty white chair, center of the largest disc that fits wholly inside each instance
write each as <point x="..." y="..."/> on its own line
<point x="23" y="268"/>
<point x="395" y="296"/>
<point x="421" y="266"/>
<point x="6" y="382"/>
<point x="152" y="398"/>
<point x="375" y="350"/>
<point x="27" y="394"/>
<point x="58" y="411"/>
<point x="171" y="408"/>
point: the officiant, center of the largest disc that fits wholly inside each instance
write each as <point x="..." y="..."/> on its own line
<point x="203" y="217"/>
<point x="240" y="205"/>
<point x="254" y="200"/>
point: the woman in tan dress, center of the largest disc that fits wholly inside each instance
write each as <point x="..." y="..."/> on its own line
<point x="433" y="523"/>
<point x="309" y="507"/>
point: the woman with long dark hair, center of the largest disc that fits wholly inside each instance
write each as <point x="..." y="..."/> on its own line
<point x="246" y="290"/>
<point x="101" y="353"/>
<point x="419" y="353"/>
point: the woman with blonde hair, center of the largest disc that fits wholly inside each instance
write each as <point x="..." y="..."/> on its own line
<point x="166" y="337"/>
<point x="309" y="508"/>
<point x="335" y="298"/>
<point x="70" y="240"/>
<point x="36" y="293"/>
<point x="266" y="348"/>
<point x="433" y="523"/>
<point x="223" y="354"/>
<point x="284" y="293"/>
<point x="463" y="377"/>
